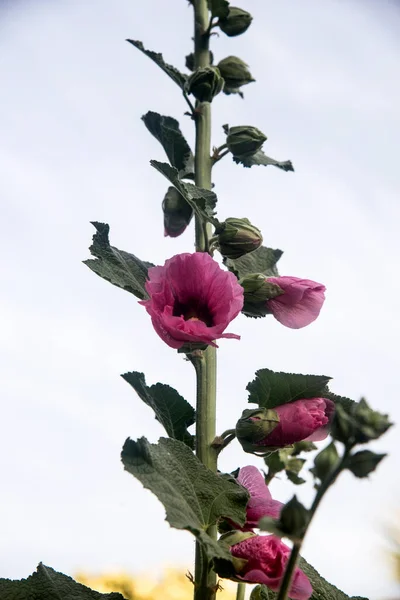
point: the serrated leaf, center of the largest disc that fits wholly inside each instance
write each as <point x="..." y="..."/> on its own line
<point x="259" y="158"/>
<point x="322" y="589"/>
<point x="270" y="388"/>
<point x="193" y="496"/>
<point x="262" y="260"/>
<point x="176" y="76"/>
<point x="173" y="412"/>
<point x="345" y="402"/>
<point x="48" y="584"/>
<point x="202" y="201"/>
<point x="167" y="131"/>
<point x="363" y="463"/>
<point x="218" y="8"/>
<point x="120" y="268"/>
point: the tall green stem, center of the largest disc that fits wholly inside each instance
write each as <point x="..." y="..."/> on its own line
<point x="240" y="591"/>
<point x="205" y="363"/>
<point x="294" y="555"/>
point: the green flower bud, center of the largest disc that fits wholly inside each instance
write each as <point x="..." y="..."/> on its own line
<point x="177" y="213"/>
<point x="244" y="140"/>
<point x="358" y="424"/>
<point x="294" y="519"/>
<point x="257" y="291"/>
<point x="253" y="426"/>
<point x="325" y="461"/>
<point x="236" y="237"/>
<point x="205" y="83"/>
<point x="235" y="72"/>
<point x="236" y="22"/>
<point x="189" y="60"/>
<point x="362" y="463"/>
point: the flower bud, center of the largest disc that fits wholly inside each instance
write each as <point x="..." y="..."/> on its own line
<point x="189" y="60"/>
<point x="254" y="426"/>
<point x="236" y="237"/>
<point x="294" y="519"/>
<point x="362" y="463"/>
<point x="177" y="213"/>
<point x="236" y="22"/>
<point x="235" y="73"/>
<point x="205" y="83"/>
<point x="244" y="140"/>
<point x="358" y="424"/>
<point x="257" y="291"/>
<point x="325" y="461"/>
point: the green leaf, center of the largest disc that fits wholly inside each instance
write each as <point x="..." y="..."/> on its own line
<point x="322" y="590"/>
<point x="277" y="460"/>
<point x="270" y="389"/>
<point x="218" y="8"/>
<point x="294" y="478"/>
<point x="173" y="412"/>
<point x="363" y="463"/>
<point x="259" y="158"/>
<point x="295" y="465"/>
<point x="303" y="446"/>
<point x="48" y="584"/>
<point x="193" y="496"/>
<point x="120" y="268"/>
<point x="176" y="76"/>
<point x="262" y="260"/>
<point x="202" y="201"/>
<point x="166" y="130"/>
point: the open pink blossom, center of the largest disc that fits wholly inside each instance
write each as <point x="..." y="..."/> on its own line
<point x="300" y="304"/>
<point x="192" y="300"/>
<point x="307" y="419"/>
<point x="267" y="557"/>
<point x="261" y="503"/>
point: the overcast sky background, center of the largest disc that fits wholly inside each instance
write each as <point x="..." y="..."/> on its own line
<point x="73" y="149"/>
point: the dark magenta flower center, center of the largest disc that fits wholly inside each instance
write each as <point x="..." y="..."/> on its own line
<point x="193" y="309"/>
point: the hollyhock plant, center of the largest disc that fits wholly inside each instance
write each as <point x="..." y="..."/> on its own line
<point x="300" y="304"/>
<point x="266" y="558"/>
<point x="192" y="300"/>
<point x="261" y="503"/>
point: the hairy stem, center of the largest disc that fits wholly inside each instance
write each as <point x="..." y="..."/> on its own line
<point x="205" y="363"/>
<point x="294" y="555"/>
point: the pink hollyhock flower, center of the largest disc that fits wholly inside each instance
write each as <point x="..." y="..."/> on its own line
<point x="261" y="503"/>
<point x="307" y="419"/>
<point x="300" y="304"/>
<point x="192" y="300"/>
<point x="266" y="559"/>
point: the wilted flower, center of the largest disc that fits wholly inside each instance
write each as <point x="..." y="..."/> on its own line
<point x="244" y="140"/>
<point x="236" y="237"/>
<point x="263" y="559"/>
<point x="205" y="83"/>
<point x="300" y="304"/>
<point x="235" y="72"/>
<point x="236" y="22"/>
<point x="177" y="213"/>
<point x="307" y="419"/>
<point x="261" y="503"/>
<point x="192" y="300"/>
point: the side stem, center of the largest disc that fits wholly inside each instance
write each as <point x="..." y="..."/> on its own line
<point x="205" y="363"/>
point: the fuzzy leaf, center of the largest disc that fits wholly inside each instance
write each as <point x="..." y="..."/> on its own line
<point x="262" y="260"/>
<point x="48" y="584"/>
<point x="218" y="8"/>
<point x="270" y="389"/>
<point x="166" y="130"/>
<point x="178" y="77"/>
<point x="259" y="158"/>
<point x="120" y="268"/>
<point x="173" y="412"/>
<point x="202" y="201"/>
<point x="193" y="496"/>
<point x="322" y="590"/>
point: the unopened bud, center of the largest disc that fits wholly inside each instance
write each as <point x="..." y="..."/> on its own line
<point x="235" y="73"/>
<point x="236" y="22"/>
<point x="294" y="519"/>
<point x="257" y="291"/>
<point x="244" y="140"/>
<point x="236" y="237"/>
<point x="253" y="427"/>
<point x="177" y="213"/>
<point x="205" y="83"/>
<point x="325" y="461"/>
<point x="358" y="423"/>
<point x="189" y="60"/>
<point x="362" y="463"/>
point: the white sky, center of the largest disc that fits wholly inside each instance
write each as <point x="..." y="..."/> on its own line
<point x="73" y="149"/>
